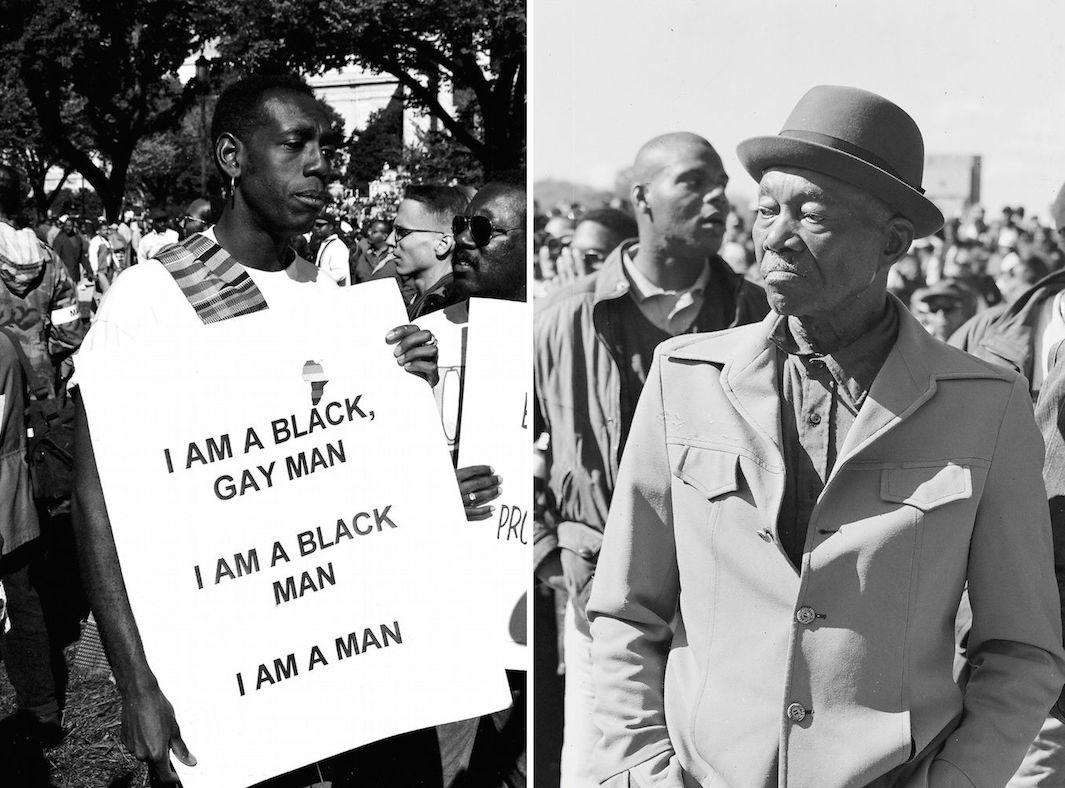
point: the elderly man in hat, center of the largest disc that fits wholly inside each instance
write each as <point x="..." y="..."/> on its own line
<point x="802" y="501"/>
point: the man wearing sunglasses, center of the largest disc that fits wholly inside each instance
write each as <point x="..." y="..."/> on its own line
<point x="489" y="260"/>
<point x="594" y="339"/>
<point x="422" y="244"/>
<point x="597" y="234"/>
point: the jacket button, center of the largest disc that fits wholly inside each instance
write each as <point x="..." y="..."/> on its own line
<point x="585" y="553"/>
<point x="796" y="713"/>
<point x="814" y="418"/>
<point x="805" y="615"/>
<point x="765" y="536"/>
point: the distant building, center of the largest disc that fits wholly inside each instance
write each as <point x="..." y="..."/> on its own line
<point x="354" y="93"/>
<point x="952" y="182"/>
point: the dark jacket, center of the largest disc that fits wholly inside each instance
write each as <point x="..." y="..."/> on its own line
<point x="48" y="325"/>
<point x="578" y="390"/>
<point x="440" y="296"/>
<point x="18" y="515"/>
<point x="1003" y="333"/>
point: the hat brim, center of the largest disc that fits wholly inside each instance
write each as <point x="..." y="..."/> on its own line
<point x="759" y="154"/>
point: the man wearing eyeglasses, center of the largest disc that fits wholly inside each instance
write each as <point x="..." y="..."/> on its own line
<point x="422" y="244"/>
<point x="197" y="217"/>
<point x="594" y="339"/>
<point x="332" y="256"/>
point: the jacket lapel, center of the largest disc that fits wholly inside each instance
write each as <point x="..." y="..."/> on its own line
<point x="902" y="385"/>
<point x="749" y="381"/>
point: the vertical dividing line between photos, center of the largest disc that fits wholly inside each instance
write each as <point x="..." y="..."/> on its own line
<point x="530" y="250"/>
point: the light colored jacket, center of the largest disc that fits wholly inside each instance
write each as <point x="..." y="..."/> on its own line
<point x="718" y="664"/>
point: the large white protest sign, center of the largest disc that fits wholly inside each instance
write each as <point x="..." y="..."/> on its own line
<point x="497" y="431"/>
<point x="291" y="536"/>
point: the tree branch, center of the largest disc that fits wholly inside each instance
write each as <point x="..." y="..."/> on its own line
<point x="432" y="103"/>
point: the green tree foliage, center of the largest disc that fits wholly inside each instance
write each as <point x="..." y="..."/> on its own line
<point x="166" y="167"/>
<point x="476" y="47"/>
<point x="437" y="158"/>
<point x="115" y="60"/>
<point x="22" y="145"/>
<point x="380" y="143"/>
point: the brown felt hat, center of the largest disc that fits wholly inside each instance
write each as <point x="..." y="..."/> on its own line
<point x="859" y="137"/>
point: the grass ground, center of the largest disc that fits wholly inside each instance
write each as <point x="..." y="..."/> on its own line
<point x="91" y="755"/>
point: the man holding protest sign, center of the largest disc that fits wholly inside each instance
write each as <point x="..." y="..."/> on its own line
<point x="273" y="149"/>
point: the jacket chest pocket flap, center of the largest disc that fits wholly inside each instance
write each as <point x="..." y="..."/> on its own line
<point x="926" y="485"/>
<point x="711" y="472"/>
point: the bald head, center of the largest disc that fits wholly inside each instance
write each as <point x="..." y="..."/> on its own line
<point x="666" y="149"/>
<point x="678" y="197"/>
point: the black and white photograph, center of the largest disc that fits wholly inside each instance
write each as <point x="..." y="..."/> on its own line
<point x="255" y="527"/>
<point x="798" y="390"/>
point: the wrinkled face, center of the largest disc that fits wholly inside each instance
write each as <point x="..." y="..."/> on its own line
<point x="592" y="242"/>
<point x="687" y="203"/>
<point x="285" y="164"/>
<point x="495" y="269"/>
<point x="416" y="232"/>
<point x="941" y="316"/>
<point x="818" y="241"/>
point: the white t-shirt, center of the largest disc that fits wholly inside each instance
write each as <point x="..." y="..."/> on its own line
<point x="94" y="251"/>
<point x="146" y="300"/>
<point x="333" y="259"/>
<point x="153" y="242"/>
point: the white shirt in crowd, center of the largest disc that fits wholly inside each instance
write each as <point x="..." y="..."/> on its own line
<point x="94" y="251"/>
<point x="333" y="259"/>
<point x="152" y="242"/>
<point x="146" y="302"/>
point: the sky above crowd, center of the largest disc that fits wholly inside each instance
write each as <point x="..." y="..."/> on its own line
<point x="981" y="78"/>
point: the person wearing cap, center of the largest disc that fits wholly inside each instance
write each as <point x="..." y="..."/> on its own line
<point x="801" y="503"/>
<point x="942" y="307"/>
<point x="159" y="236"/>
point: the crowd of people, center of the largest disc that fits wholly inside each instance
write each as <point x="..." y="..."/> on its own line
<point x="80" y="286"/>
<point x="971" y="265"/>
<point x="811" y="547"/>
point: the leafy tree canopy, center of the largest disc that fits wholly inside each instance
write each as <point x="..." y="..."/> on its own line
<point x="477" y="47"/>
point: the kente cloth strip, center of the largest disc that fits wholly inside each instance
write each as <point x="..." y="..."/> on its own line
<point x="215" y="284"/>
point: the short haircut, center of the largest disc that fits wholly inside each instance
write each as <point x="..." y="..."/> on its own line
<point x="618" y="222"/>
<point x="443" y="202"/>
<point x="240" y="107"/>
<point x="10" y="190"/>
<point x="1032" y="269"/>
